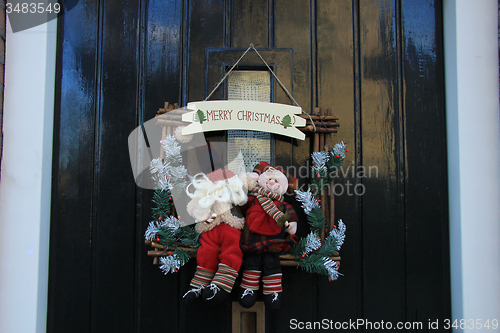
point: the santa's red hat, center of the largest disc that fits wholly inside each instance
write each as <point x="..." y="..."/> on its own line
<point x="220" y="174"/>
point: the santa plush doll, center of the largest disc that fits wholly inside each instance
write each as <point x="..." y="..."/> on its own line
<point x="213" y="199"/>
<point x="269" y="231"/>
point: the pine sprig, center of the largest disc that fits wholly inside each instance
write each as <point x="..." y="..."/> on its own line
<point x="316" y="263"/>
<point x="170" y="176"/>
<point x="315" y="216"/>
<point x="172" y="263"/>
<point x="188" y="236"/>
<point x="169" y="233"/>
<point x="311" y="255"/>
<point x="336" y="159"/>
<point x="334" y="241"/>
<point x="169" y="173"/>
<point x="306" y="245"/>
<point x="163" y="203"/>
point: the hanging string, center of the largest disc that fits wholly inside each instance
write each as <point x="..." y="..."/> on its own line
<point x="251" y="47"/>
<point x="229" y="72"/>
<point x="277" y="79"/>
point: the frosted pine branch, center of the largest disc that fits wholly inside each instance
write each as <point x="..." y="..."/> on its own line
<point x="162" y="182"/>
<point x="172" y="223"/>
<point x="339" y="149"/>
<point x="339" y="234"/>
<point x="177" y="172"/>
<point x="157" y="166"/>
<point x="172" y="149"/>
<point x="307" y="199"/>
<point x="153" y="228"/>
<point x="313" y="242"/>
<point x="320" y="158"/>
<point x="332" y="269"/>
<point x="170" y="264"/>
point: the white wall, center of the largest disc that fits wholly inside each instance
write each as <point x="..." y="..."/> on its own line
<point x="26" y="178"/>
<point x="472" y="110"/>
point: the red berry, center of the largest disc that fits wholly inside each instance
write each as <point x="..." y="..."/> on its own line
<point x="169" y="198"/>
<point x="176" y="271"/>
<point x="169" y="252"/>
<point x="330" y="280"/>
<point x="158" y="239"/>
<point x="319" y="200"/>
<point x="337" y="156"/>
<point x="335" y="226"/>
<point x="303" y="255"/>
<point x="178" y="217"/>
<point x="347" y="150"/>
<point x="159" y="219"/>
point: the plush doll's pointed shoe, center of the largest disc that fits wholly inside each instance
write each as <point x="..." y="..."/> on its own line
<point x="248" y="298"/>
<point x="192" y="296"/>
<point x="214" y="294"/>
<point x="272" y="301"/>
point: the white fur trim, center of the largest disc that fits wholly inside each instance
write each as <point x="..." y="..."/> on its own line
<point x="226" y="217"/>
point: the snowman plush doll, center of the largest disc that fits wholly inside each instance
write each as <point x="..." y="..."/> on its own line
<point x="214" y="197"/>
<point x="269" y="231"/>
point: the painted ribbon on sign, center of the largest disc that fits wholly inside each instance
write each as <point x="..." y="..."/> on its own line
<point x="244" y="115"/>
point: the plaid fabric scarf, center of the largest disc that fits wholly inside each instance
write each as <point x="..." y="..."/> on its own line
<point x="266" y="198"/>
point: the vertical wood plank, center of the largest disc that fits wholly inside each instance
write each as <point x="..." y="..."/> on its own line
<point x="114" y="192"/>
<point x="157" y="295"/>
<point x="382" y="211"/>
<point x="250" y="23"/>
<point x="426" y="207"/>
<point x="206" y="29"/>
<point x="73" y="162"/>
<point x="336" y="89"/>
<point x="292" y="29"/>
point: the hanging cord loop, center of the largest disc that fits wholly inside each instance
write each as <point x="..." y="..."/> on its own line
<point x="251" y="47"/>
<point x="229" y="72"/>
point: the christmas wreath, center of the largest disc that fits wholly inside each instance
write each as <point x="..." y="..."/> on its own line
<point x="175" y="243"/>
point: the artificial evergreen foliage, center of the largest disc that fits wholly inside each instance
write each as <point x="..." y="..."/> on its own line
<point x="162" y="200"/>
<point x="326" y="166"/>
<point x="169" y="175"/>
<point x="309" y="252"/>
<point x="312" y="208"/>
<point x="313" y="256"/>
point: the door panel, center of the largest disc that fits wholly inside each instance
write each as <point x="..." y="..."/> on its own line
<point x="70" y="251"/>
<point x="377" y="64"/>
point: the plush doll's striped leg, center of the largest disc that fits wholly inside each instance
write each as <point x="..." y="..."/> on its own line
<point x="202" y="278"/>
<point x="271" y="279"/>
<point x="250" y="282"/>
<point x="207" y="265"/>
<point x="230" y="262"/>
<point x="221" y="284"/>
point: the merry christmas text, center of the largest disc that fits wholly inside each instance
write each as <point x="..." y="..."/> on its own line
<point x="242" y="115"/>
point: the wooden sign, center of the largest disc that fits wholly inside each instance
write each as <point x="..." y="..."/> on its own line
<point x="244" y="115"/>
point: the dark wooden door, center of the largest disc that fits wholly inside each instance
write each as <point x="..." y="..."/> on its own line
<point x="377" y="64"/>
